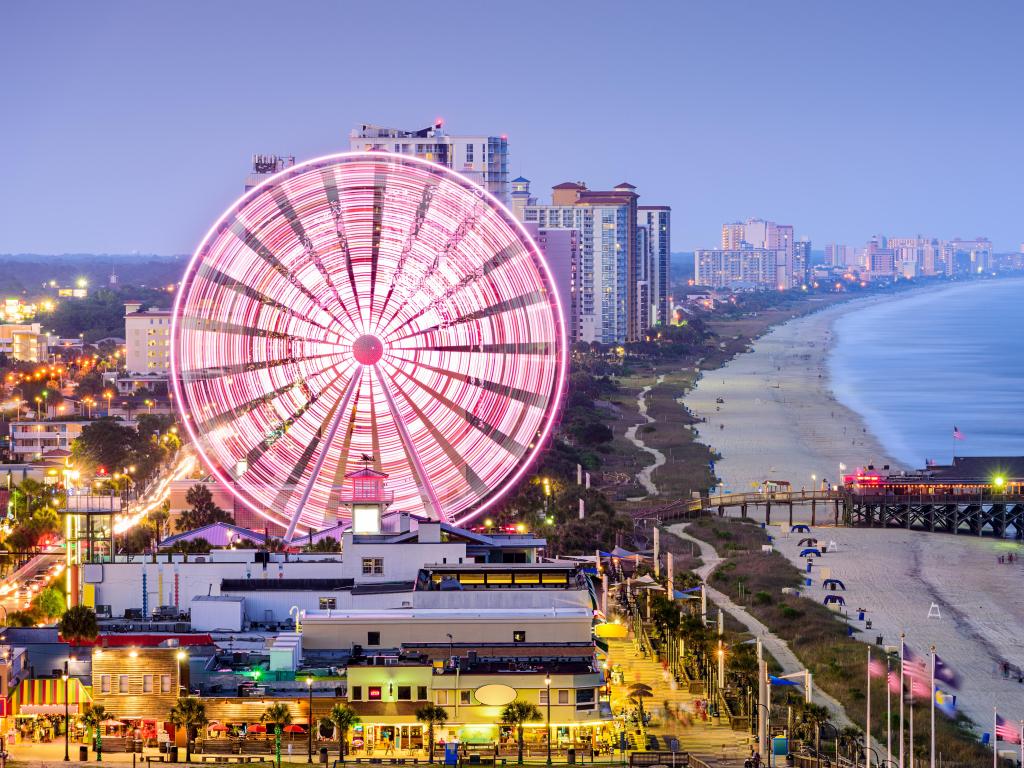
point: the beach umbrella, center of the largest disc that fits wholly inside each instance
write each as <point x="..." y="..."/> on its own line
<point x="257" y="728"/>
<point x="809" y="552"/>
<point x="112" y="723"/>
<point x="294" y="729"/>
<point x="219" y="728"/>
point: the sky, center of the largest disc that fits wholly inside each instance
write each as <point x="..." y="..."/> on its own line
<point x="129" y="127"/>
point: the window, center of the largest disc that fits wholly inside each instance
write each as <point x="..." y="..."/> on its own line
<point x="373" y="693"/>
<point x="404" y="693"/>
<point x="441" y="697"/>
<point x="104" y="683"/>
<point x="165" y="683"/>
<point x="147" y="683"/>
<point x="585" y="698"/>
<point x="464" y="697"/>
<point x="373" y="566"/>
<point x="543" y="696"/>
<point x="122" y="683"/>
<point x="373" y="638"/>
<point x="328" y="603"/>
<point x="357" y="692"/>
<point x="563" y="696"/>
<point x="421" y="693"/>
<point x="519" y="636"/>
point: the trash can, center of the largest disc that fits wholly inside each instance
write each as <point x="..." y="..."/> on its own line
<point x="323" y="755"/>
<point x="162" y="747"/>
<point x="570" y="756"/>
<point x="83" y="754"/>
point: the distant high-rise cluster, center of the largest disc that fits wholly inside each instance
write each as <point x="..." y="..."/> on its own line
<point x="754" y="254"/>
<point x="906" y="257"/>
<point x="616" y="267"/>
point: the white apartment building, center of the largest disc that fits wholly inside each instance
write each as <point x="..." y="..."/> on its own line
<point x="31" y="439"/>
<point x="265" y="166"/>
<point x="147" y="340"/>
<point x="482" y="158"/>
<point x="654" y="222"/>
<point x="561" y="249"/>
<point x="25" y="341"/>
<point x="766" y="235"/>
<point x="741" y="268"/>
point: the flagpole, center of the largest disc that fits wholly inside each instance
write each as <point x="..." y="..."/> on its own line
<point x="902" y="740"/>
<point x="1022" y="742"/>
<point x="888" y="709"/>
<point x="931" y="745"/>
<point x="995" y="738"/>
<point x="867" y="727"/>
<point x="910" y="746"/>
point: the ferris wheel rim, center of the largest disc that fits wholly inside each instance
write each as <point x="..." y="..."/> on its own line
<point x="552" y="407"/>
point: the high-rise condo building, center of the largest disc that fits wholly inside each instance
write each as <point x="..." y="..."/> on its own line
<point x="654" y="226"/>
<point x="737" y="268"/>
<point x="767" y="235"/>
<point x="482" y="158"/>
<point x="561" y="249"/>
<point x="606" y="296"/>
<point x="265" y="166"/>
<point x="800" y="266"/>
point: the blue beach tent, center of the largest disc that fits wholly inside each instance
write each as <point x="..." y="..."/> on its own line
<point x="810" y="552"/>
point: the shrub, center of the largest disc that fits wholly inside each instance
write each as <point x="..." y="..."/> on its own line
<point x="762" y="598"/>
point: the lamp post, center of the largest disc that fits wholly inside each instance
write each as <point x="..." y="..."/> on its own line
<point x="836" y="732"/>
<point x="547" y="685"/>
<point x="67" y="716"/>
<point x="309" y="690"/>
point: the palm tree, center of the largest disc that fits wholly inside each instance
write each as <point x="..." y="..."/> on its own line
<point x="91" y="719"/>
<point x="515" y="714"/>
<point x="188" y="713"/>
<point x="279" y="716"/>
<point x="343" y="717"/>
<point x="78" y="623"/>
<point x="637" y="693"/>
<point x="432" y="715"/>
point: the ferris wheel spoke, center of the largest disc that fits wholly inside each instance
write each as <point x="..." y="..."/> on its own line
<point x="235" y="329"/>
<point x="254" y="244"/>
<point x="542" y="348"/>
<point x="213" y="275"/>
<point x="346" y="440"/>
<point x="426" y="196"/>
<point x="380" y="182"/>
<point x="284" y="205"/>
<point x="334" y="204"/>
<point x="478" y="485"/>
<point x="334" y="418"/>
<point x="515" y="304"/>
<point x="232" y="414"/>
<point x="208" y="374"/>
<point x="506" y="441"/>
<point x="423" y="484"/>
<point x="496" y="387"/>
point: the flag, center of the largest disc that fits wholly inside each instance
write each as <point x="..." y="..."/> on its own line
<point x="876" y="668"/>
<point x="946" y="703"/>
<point x="957" y="434"/>
<point x="946" y="674"/>
<point x="916" y="668"/>
<point x="1006" y="730"/>
<point x="894" y="680"/>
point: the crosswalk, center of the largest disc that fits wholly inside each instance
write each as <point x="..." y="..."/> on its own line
<point x="674" y="711"/>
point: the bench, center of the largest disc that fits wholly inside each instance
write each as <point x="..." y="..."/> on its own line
<point x="223" y="758"/>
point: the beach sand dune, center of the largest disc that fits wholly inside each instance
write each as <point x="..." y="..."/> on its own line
<point x="779" y="419"/>
<point x="897" y="575"/>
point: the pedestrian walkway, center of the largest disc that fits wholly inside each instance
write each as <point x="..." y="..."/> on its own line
<point x="673" y="710"/>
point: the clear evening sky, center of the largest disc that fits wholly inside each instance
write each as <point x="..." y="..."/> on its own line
<point x="129" y="126"/>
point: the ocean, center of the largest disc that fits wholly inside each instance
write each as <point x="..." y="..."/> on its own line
<point x="919" y="365"/>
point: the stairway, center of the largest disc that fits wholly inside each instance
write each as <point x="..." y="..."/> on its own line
<point x="705" y="738"/>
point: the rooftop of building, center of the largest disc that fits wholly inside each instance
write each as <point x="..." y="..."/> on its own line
<point x="978" y="469"/>
<point x="450" y="614"/>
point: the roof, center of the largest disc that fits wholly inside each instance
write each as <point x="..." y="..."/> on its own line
<point x="366" y="472"/>
<point x="218" y="599"/>
<point x="217" y="534"/>
<point x="459" y="615"/>
<point x="285" y="585"/>
<point x="625" y="185"/>
<point x="519" y="179"/>
<point x="978" y="468"/>
<point x="465" y="567"/>
<point x="570" y="185"/>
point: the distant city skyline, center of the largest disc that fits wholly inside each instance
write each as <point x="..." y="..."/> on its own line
<point x="128" y="127"/>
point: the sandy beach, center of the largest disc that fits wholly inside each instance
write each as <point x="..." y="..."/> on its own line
<point x="897" y="575"/>
<point x="778" y="419"/>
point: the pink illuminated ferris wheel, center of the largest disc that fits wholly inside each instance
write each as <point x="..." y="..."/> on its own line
<point x="367" y="304"/>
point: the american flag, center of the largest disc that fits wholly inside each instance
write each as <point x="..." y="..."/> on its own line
<point x="876" y="668"/>
<point x="1007" y="731"/>
<point x="916" y="670"/>
<point x="957" y="434"/>
<point x="946" y="674"/>
<point x="894" y="680"/>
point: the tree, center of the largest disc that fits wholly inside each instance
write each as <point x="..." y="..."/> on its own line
<point x="22" y="619"/>
<point x="93" y="718"/>
<point x="159" y="516"/>
<point x="343" y="717"/>
<point x="189" y="713"/>
<point x="78" y="623"/>
<point x="50" y="604"/>
<point x="104" y="443"/>
<point x="637" y="693"/>
<point x="432" y="715"/>
<point x="326" y="544"/>
<point x="203" y="510"/>
<point x="279" y="716"/>
<point x="516" y="713"/>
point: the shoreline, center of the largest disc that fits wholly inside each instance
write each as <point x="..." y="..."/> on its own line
<point x="780" y="418"/>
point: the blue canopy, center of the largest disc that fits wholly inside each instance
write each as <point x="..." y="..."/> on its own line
<point x="800" y="528"/>
<point x="810" y="551"/>
<point x="781" y="681"/>
<point x="833" y="583"/>
<point x="838" y="599"/>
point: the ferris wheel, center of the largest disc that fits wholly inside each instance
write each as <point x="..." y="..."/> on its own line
<point x="367" y="306"/>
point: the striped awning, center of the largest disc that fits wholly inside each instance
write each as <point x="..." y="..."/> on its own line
<point x="33" y="694"/>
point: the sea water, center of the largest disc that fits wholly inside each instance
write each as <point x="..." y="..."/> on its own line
<point x="919" y="365"/>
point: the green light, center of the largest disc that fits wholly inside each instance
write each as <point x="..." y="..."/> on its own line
<point x="999" y="481"/>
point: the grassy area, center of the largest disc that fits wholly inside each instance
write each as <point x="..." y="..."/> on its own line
<point x="816" y="635"/>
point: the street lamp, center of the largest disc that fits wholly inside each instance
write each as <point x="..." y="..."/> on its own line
<point x="309" y="689"/>
<point x="547" y="685"/>
<point x="836" y="732"/>
<point x="67" y="717"/>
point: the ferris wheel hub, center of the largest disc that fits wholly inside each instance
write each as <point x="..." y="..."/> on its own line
<point x="368" y="349"/>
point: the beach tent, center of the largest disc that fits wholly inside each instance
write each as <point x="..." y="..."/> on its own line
<point x="693" y="593"/>
<point x="643" y="581"/>
<point x="810" y="552"/>
<point x="807" y="543"/>
<point x="781" y="681"/>
<point x="624" y="553"/>
<point x="832" y="584"/>
<point x="837" y="599"/>
<point x="800" y="529"/>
